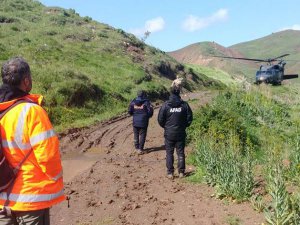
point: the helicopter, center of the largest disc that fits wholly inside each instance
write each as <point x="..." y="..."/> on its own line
<point x="270" y="73"/>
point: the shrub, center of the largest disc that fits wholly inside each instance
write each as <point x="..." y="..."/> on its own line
<point x="86" y="37"/>
<point x="234" y="129"/>
<point x="59" y="20"/>
<point x="226" y="168"/>
<point x="147" y="77"/>
<point x="87" y="19"/>
<point x="4" y="19"/>
<point x="157" y="92"/>
<point x="280" y="210"/>
<point x="51" y="33"/>
<point x="14" y="28"/>
<point x="136" y="42"/>
<point x="102" y="35"/>
<point x="294" y="158"/>
<point x="76" y="91"/>
<point x="246" y="113"/>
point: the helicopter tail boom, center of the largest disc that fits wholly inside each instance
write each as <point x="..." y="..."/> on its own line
<point x="289" y="76"/>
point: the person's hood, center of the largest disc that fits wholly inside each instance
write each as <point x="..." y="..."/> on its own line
<point x="8" y="93"/>
<point x="174" y="101"/>
<point x="140" y="101"/>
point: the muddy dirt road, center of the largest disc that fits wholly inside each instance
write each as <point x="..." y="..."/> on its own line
<point x="108" y="183"/>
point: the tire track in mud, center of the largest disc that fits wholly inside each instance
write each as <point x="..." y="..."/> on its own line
<point x="110" y="184"/>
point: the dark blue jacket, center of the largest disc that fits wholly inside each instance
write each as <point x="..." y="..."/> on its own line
<point x="175" y="116"/>
<point x="141" y="110"/>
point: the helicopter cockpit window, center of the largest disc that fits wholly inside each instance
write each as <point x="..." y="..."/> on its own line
<point x="264" y="73"/>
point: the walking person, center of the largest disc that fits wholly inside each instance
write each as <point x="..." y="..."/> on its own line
<point x="141" y="110"/>
<point x="28" y="137"/>
<point x="175" y="115"/>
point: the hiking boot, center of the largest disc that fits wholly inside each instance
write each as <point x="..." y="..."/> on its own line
<point x="139" y="152"/>
<point x="170" y="176"/>
<point x="181" y="175"/>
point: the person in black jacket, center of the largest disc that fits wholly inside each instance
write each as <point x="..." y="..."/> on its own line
<point x="175" y="115"/>
<point x="141" y="110"/>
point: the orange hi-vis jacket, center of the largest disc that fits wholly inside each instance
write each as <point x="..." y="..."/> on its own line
<point x="39" y="183"/>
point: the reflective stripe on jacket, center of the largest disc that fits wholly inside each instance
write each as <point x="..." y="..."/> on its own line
<point x="39" y="182"/>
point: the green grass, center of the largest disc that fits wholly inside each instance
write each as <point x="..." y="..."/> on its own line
<point x="241" y="131"/>
<point x="274" y="45"/>
<point x="233" y="220"/>
<point x="216" y="74"/>
<point x="87" y="71"/>
<point x="197" y="176"/>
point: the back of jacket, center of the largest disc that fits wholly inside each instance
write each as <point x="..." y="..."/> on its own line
<point x="141" y="110"/>
<point x="175" y="116"/>
<point x="39" y="183"/>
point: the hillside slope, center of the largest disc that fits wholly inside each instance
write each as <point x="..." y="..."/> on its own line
<point x="87" y="70"/>
<point x="271" y="46"/>
<point x="202" y="54"/>
<point x="276" y="44"/>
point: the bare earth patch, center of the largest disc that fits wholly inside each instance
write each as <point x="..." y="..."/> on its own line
<point x="108" y="183"/>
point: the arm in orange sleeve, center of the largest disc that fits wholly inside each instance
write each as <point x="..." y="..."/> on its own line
<point x="44" y="142"/>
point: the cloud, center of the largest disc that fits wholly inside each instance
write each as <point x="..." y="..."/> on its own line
<point x="294" y="27"/>
<point x="153" y="25"/>
<point x="193" y="23"/>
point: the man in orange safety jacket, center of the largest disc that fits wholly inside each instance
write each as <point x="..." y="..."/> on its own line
<point x="26" y="129"/>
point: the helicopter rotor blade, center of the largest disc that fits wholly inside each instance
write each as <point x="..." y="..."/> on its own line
<point x="277" y="58"/>
<point x="249" y="59"/>
<point x="280" y="57"/>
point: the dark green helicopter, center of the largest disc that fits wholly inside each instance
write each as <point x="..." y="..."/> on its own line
<point x="270" y="73"/>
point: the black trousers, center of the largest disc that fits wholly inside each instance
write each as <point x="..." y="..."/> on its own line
<point x="170" y="146"/>
<point x="139" y="134"/>
<point x="36" y="217"/>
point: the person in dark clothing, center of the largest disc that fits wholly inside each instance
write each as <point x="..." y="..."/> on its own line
<point x="175" y="115"/>
<point x="141" y="110"/>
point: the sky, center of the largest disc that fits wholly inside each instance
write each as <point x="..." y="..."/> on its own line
<point x="174" y="24"/>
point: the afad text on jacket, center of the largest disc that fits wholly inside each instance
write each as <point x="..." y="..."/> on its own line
<point x="175" y="116"/>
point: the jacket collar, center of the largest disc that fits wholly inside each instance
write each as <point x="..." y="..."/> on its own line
<point x="34" y="98"/>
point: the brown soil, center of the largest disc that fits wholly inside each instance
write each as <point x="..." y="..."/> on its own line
<point x="108" y="183"/>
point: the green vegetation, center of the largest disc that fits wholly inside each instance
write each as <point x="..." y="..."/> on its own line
<point x="86" y="70"/>
<point x="203" y="54"/>
<point x="244" y="136"/>
<point x="265" y="47"/>
<point x="216" y="74"/>
<point x="89" y="72"/>
<point x="280" y="213"/>
<point x="232" y="220"/>
<point x="273" y="45"/>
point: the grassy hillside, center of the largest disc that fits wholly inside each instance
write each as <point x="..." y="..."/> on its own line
<point x="202" y="54"/>
<point x="274" y="45"/>
<point x="270" y="46"/>
<point x="216" y="74"/>
<point x="86" y="70"/>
